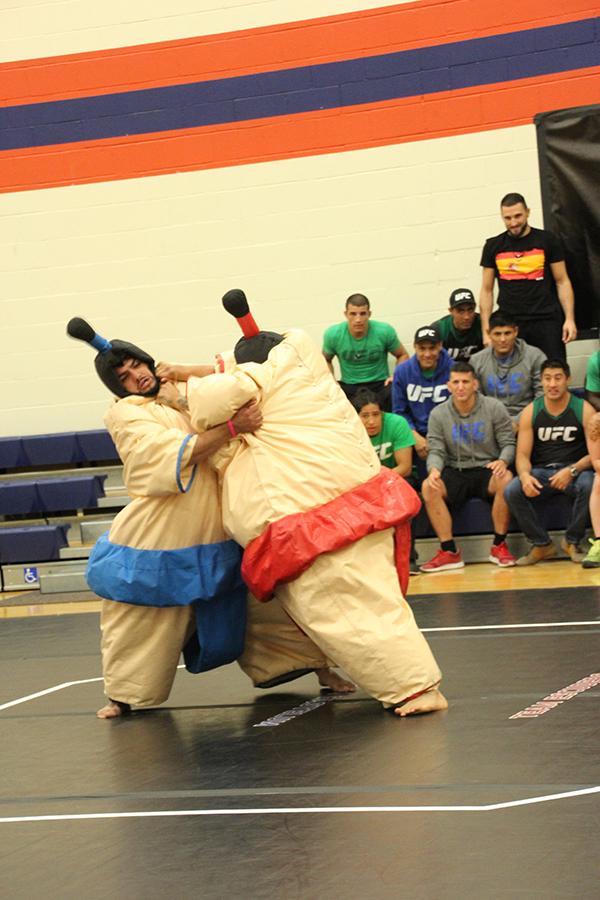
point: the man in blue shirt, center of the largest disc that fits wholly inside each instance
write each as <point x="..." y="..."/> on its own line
<point x="420" y="383"/>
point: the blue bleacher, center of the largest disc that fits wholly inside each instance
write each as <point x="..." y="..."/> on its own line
<point x="49" y="495"/>
<point x="33" y="543"/>
<point x="38" y="495"/>
<point x="68" y="448"/>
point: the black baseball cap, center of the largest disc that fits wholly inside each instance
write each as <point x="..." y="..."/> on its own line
<point x="462" y="297"/>
<point x="428" y="333"/>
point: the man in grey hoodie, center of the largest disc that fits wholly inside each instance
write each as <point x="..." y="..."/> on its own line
<point x="471" y="445"/>
<point x="509" y="369"/>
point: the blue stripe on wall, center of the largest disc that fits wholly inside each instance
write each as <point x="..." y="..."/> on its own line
<point x="464" y="64"/>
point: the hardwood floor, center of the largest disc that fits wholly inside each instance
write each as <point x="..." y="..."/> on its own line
<point x="477" y="577"/>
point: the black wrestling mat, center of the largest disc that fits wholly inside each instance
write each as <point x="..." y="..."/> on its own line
<point x="231" y="793"/>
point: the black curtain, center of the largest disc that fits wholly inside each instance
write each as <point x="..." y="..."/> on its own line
<point x="569" y="159"/>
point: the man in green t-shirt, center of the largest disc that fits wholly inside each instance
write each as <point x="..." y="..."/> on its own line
<point x="461" y="330"/>
<point x="362" y="346"/>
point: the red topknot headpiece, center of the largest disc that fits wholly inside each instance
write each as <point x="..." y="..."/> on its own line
<point x="255" y="345"/>
<point x="235" y="302"/>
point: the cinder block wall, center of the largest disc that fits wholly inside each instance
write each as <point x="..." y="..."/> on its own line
<point x="147" y="258"/>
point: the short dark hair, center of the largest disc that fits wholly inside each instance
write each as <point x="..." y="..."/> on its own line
<point x="501" y="320"/>
<point x="461" y="365"/>
<point x="363" y="397"/>
<point x="358" y="300"/>
<point x="512" y="199"/>
<point x="556" y="363"/>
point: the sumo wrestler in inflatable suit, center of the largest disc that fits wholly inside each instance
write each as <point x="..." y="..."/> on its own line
<point x="324" y="528"/>
<point x="169" y="576"/>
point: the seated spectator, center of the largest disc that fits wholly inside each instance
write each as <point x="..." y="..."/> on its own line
<point x="421" y="383"/>
<point x="552" y="458"/>
<point x="509" y="369"/>
<point x="461" y="330"/>
<point x="592" y="560"/>
<point x="592" y="380"/>
<point x="393" y="440"/>
<point x="471" y="446"/>
<point x="362" y="347"/>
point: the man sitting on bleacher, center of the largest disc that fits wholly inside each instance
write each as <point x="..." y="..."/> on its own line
<point x="552" y="458"/>
<point x="471" y="445"/>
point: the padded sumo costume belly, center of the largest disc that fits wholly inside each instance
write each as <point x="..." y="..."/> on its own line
<point x="294" y="495"/>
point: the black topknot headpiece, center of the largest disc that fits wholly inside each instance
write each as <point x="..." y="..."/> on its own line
<point x="255" y="345"/>
<point x="111" y="354"/>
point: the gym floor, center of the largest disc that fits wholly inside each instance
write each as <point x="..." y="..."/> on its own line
<point x="226" y="792"/>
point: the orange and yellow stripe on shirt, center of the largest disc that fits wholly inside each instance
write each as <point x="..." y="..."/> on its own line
<point x="527" y="266"/>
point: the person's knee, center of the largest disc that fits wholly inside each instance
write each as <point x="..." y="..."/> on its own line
<point x="513" y="490"/>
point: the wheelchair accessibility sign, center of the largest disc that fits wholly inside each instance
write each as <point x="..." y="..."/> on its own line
<point x="30" y="575"/>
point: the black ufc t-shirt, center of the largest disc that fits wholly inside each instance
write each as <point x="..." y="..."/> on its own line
<point x="526" y="287"/>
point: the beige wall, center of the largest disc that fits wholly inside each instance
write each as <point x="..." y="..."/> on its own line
<point x="148" y="259"/>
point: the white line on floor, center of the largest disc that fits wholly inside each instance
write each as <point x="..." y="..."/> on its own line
<point x="519" y="625"/>
<point x="169" y="813"/>
<point x="50" y="690"/>
<point x="66" y="684"/>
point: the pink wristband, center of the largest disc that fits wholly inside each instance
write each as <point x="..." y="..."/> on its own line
<point x="231" y="427"/>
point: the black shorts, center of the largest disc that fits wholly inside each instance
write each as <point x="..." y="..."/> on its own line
<point x="462" y="484"/>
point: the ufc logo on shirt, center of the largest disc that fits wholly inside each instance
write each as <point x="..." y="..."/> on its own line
<point x="559" y="433"/>
<point x="417" y="393"/>
<point x="384" y="451"/>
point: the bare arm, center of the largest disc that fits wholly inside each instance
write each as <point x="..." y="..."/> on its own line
<point x="400" y="353"/>
<point x="486" y="302"/>
<point x="566" y="299"/>
<point x="400" y="356"/>
<point x="403" y="458"/>
<point x="175" y="372"/>
<point x="563" y="478"/>
<point x="531" y="486"/>
<point x="328" y="360"/>
<point x="593" y="399"/>
<point x="246" y="419"/>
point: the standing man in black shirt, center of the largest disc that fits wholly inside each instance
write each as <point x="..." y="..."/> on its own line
<point x="552" y="458"/>
<point x="533" y="283"/>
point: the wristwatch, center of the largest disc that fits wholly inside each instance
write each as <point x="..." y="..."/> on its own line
<point x="573" y="471"/>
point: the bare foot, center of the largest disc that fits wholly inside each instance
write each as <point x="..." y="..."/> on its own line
<point x="330" y="679"/>
<point x="113" y="710"/>
<point x="428" y="702"/>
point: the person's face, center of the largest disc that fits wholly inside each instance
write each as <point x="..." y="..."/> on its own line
<point x="370" y="416"/>
<point x="515" y="219"/>
<point x="555" y="383"/>
<point x="463" y="316"/>
<point x="503" y="339"/>
<point x="462" y="386"/>
<point x="358" y="319"/>
<point x="135" y="376"/>
<point x="427" y="353"/>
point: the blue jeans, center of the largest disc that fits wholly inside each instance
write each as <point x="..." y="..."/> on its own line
<point x="523" y="508"/>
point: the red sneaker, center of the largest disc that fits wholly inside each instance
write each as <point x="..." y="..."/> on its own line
<point x="443" y="560"/>
<point x="501" y="555"/>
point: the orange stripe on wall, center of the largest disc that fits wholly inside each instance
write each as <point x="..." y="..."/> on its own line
<point x="334" y="38"/>
<point x="308" y="134"/>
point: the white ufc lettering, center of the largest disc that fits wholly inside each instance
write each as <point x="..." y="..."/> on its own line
<point x="558" y="433"/>
<point x="417" y="393"/>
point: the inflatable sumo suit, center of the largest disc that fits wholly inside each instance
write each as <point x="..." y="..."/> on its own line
<point x="324" y="528"/>
<point x="169" y="575"/>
